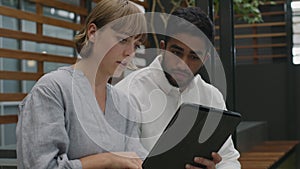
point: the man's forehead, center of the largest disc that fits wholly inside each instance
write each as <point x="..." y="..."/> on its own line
<point x="187" y="41"/>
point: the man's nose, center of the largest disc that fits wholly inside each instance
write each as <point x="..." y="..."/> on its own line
<point x="182" y="62"/>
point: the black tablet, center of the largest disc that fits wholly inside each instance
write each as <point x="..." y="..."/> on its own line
<point x="194" y="131"/>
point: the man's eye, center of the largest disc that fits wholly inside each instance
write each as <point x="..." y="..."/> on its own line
<point x="176" y="53"/>
<point x="194" y="57"/>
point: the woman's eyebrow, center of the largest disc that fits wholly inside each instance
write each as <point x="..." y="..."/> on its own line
<point x="122" y="34"/>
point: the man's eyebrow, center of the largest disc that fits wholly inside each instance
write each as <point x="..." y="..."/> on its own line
<point x="176" y="47"/>
<point x="199" y="53"/>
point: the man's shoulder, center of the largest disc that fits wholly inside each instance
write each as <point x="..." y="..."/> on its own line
<point x="202" y="84"/>
<point x="141" y="78"/>
<point x="210" y="92"/>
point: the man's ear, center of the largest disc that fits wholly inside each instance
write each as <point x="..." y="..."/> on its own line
<point x="91" y="32"/>
<point x="162" y="45"/>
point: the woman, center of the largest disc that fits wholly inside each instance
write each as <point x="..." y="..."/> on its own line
<point x="73" y="118"/>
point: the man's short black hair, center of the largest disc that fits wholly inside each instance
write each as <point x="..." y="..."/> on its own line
<point x="192" y="15"/>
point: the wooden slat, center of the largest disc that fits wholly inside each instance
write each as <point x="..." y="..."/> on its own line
<point x="273" y="13"/>
<point x="275" y="3"/>
<point x="12" y="96"/>
<point x="261" y="57"/>
<point x="256" y="164"/>
<point x="33" y="37"/>
<point x="260" y="24"/>
<point x="262" y="13"/>
<point x="261" y="154"/>
<point x="39" y="26"/>
<point x="10" y="75"/>
<point x="282" y="142"/>
<point x="8" y="119"/>
<point x="267" y="154"/>
<point x="263" y="35"/>
<point x="17" y="54"/>
<point x="63" y="6"/>
<point x="261" y="46"/>
<point x="272" y="148"/>
<point x="144" y="4"/>
<point x="11" y="12"/>
<point x="257" y="25"/>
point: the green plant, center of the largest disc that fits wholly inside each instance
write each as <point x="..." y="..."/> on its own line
<point x="246" y="10"/>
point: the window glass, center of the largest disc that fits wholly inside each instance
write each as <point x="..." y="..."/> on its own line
<point x="296" y="31"/>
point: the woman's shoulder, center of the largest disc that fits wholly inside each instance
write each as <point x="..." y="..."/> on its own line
<point x="60" y="78"/>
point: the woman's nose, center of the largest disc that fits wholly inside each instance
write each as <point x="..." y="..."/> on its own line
<point x="129" y="50"/>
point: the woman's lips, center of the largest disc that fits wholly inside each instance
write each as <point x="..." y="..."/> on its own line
<point x="124" y="64"/>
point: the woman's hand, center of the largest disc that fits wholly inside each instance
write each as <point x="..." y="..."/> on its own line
<point x="115" y="160"/>
<point x="210" y="164"/>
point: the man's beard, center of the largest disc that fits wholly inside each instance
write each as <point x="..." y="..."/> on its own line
<point x="178" y="84"/>
<point x="174" y="83"/>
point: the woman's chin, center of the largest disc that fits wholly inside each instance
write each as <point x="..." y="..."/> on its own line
<point x="117" y="74"/>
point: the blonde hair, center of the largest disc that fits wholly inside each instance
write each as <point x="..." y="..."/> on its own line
<point x="105" y="12"/>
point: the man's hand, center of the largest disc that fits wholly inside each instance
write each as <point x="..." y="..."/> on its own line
<point x="210" y="164"/>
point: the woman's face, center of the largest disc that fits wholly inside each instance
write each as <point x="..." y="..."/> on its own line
<point x="118" y="50"/>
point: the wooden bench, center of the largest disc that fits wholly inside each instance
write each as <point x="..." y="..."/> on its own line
<point x="268" y="155"/>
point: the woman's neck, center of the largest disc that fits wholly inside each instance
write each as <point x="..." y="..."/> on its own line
<point x="98" y="80"/>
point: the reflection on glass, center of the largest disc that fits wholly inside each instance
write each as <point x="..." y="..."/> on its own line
<point x="296" y="31"/>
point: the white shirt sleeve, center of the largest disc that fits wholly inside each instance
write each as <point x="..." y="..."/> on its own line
<point x="229" y="156"/>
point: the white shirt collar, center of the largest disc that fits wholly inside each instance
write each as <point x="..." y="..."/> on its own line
<point x="162" y="81"/>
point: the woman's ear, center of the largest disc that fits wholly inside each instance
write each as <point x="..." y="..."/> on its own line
<point x="91" y="32"/>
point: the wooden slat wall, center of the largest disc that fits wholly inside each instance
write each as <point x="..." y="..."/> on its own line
<point x="37" y="37"/>
<point x="251" y="40"/>
<point x="142" y="3"/>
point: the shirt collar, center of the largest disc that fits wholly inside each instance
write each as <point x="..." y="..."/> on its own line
<point x="161" y="80"/>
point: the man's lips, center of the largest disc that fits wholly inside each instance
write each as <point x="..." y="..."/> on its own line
<point x="180" y="75"/>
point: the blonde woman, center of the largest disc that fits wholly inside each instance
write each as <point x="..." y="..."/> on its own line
<point x="73" y="118"/>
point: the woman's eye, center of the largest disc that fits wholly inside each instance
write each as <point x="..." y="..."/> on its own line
<point x="122" y="40"/>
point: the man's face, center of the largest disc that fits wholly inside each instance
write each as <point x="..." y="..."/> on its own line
<point x="181" y="61"/>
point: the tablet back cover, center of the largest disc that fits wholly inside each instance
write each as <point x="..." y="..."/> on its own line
<point x="194" y="131"/>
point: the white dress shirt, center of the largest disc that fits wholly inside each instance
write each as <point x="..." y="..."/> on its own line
<point x="151" y="94"/>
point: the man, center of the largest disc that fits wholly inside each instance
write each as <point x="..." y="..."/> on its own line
<point x="172" y="78"/>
